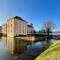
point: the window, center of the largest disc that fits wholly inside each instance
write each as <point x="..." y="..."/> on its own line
<point x="11" y="30"/>
<point x="11" y="25"/>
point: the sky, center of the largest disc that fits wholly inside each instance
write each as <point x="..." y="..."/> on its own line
<point x="33" y="11"/>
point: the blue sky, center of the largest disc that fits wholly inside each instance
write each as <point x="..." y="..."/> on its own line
<point x="33" y="11"/>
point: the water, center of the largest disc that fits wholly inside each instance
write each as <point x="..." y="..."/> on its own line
<point x="32" y="50"/>
<point x="39" y="47"/>
<point x="51" y="41"/>
<point x="36" y="48"/>
<point x="4" y="55"/>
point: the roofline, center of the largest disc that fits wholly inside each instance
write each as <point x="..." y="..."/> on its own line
<point x="17" y="17"/>
<point x="30" y="25"/>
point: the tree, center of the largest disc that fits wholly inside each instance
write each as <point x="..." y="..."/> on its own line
<point x="48" y="26"/>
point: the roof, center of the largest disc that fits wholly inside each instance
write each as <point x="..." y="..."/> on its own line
<point x="30" y="26"/>
<point x="17" y="17"/>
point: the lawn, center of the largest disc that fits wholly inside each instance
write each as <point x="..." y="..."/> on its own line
<point x="52" y="53"/>
<point x="32" y="38"/>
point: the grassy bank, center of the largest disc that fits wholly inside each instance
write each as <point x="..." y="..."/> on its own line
<point x="32" y="38"/>
<point x="52" y="53"/>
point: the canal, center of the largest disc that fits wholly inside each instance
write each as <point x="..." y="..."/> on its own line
<point x="30" y="54"/>
<point x="4" y="54"/>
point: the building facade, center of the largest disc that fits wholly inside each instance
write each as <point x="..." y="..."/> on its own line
<point x="14" y="27"/>
<point x="30" y="29"/>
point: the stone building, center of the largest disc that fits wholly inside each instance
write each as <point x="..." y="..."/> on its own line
<point x="14" y="27"/>
<point x="30" y="29"/>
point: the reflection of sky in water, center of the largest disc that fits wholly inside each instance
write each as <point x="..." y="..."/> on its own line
<point x="4" y="55"/>
<point x="52" y="41"/>
<point x="36" y="48"/>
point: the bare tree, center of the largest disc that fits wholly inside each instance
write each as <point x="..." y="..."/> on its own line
<point x="48" y="26"/>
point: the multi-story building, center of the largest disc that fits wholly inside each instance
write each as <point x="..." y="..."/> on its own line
<point x="30" y="28"/>
<point x="14" y="27"/>
<point x="17" y="26"/>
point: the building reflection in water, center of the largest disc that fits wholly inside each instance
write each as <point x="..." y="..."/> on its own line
<point x="4" y="54"/>
<point x="15" y="46"/>
<point x="21" y="48"/>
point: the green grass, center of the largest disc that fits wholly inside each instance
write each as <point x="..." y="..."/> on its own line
<point x="54" y="47"/>
<point x="31" y="38"/>
<point x="24" y="38"/>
